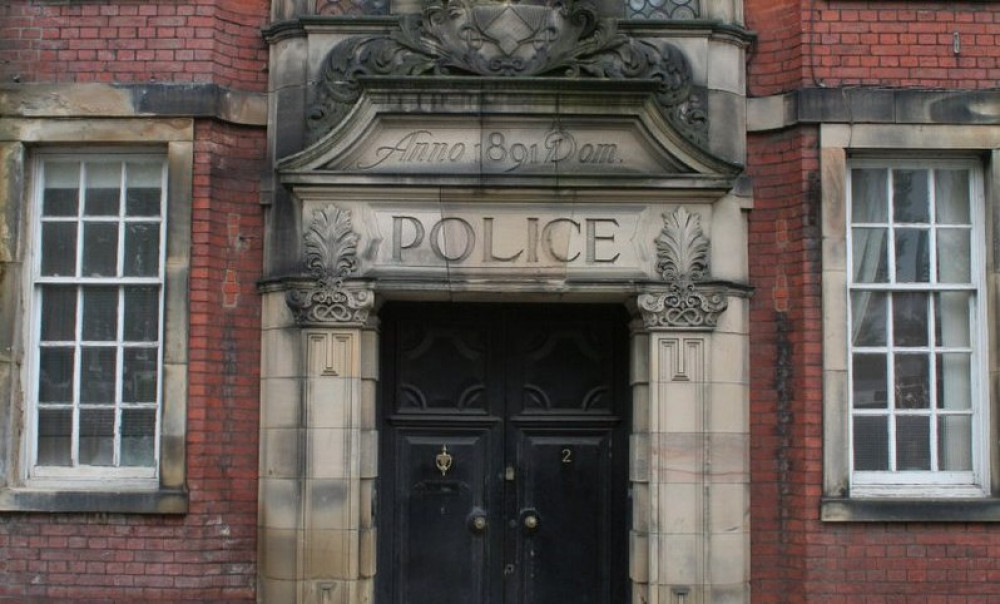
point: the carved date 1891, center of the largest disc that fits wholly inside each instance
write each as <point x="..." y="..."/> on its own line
<point x="423" y="147"/>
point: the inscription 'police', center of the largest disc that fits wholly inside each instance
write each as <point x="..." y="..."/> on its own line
<point x="491" y="240"/>
<point x="422" y="147"/>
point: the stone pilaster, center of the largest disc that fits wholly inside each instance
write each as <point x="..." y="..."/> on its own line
<point x="690" y="474"/>
<point x="690" y="478"/>
<point x="318" y="449"/>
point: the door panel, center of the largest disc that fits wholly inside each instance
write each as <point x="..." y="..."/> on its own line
<point x="560" y="364"/>
<point x="443" y="555"/>
<point x="565" y="556"/>
<point x="515" y="416"/>
<point x="424" y="349"/>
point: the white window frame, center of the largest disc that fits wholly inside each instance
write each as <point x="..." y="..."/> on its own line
<point x="85" y="476"/>
<point x="932" y="483"/>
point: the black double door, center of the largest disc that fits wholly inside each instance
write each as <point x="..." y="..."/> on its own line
<point x="503" y="461"/>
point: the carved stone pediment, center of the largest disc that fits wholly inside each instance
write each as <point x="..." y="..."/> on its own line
<point x="508" y="129"/>
<point x="563" y="39"/>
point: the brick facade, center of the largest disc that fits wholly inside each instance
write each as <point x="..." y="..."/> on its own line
<point x="211" y="552"/>
<point x="795" y="556"/>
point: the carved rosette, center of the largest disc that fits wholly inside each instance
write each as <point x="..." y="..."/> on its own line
<point x="330" y="256"/>
<point x="682" y="260"/>
<point x="547" y="38"/>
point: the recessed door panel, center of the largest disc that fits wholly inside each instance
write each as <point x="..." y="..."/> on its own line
<point x="565" y="517"/>
<point x="503" y="474"/>
<point x="440" y="515"/>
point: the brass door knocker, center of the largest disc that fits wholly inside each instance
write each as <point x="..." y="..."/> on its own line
<point x="443" y="460"/>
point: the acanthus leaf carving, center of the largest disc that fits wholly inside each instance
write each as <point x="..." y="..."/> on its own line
<point x="682" y="249"/>
<point x="331" y="246"/>
<point x="546" y="38"/>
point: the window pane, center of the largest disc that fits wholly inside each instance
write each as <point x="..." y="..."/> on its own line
<point x="870" y="255"/>
<point x="951" y="319"/>
<point x="103" y="189"/>
<point x="870" y="378"/>
<point x="62" y="189"/>
<point x="954" y="443"/>
<point x="97" y="437"/>
<point x="58" y="313"/>
<point x="909" y="319"/>
<point x="142" y="314"/>
<point x="954" y="381"/>
<point x="100" y="249"/>
<point x="139" y="383"/>
<point x="868" y="313"/>
<point x="142" y="249"/>
<point x="59" y="249"/>
<point x="55" y="430"/>
<point x="912" y="381"/>
<point x="913" y="259"/>
<point x="913" y="451"/>
<point x="952" y="196"/>
<point x="97" y="374"/>
<point x="909" y="196"/>
<point x="868" y="195"/>
<point x="138" y="432"/>
<point x="142" y="197"/>
<point x="954" y="261"/>
<point x="100" y="313"/>
<point x="55" y="374"/>
<point x="871" y="444"/>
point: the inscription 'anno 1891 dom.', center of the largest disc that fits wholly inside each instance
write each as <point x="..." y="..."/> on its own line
<point x="499" y="150"/>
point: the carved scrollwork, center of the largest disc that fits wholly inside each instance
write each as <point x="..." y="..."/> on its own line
<point x="550" y="38"/>
<point x="323" y="306"/>
<point x="682" y="252"/>
<point x="683" y="306"/>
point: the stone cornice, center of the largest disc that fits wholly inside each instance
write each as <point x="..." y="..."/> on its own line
<point x="302" y="26"/>
<point x="849" y="105"/>
<point x="134" y="100"/>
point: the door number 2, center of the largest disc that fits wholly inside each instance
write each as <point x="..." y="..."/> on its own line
<point x="566" y="455"/>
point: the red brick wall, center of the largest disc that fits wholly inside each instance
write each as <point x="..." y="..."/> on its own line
<point x="160" y="41"/>
<point x="785" y="360"/>
<point x="776" y="56"/>
<point x="210" y="553"/>
<point x="795" y="557"/>
<point x="908" y="44"/>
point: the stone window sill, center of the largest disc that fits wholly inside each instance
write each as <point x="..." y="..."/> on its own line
<point x="986" y="509"/>
<point x="162" y="501"/>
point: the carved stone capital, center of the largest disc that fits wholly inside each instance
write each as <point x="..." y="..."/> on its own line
<point x="341" y="305"/>
<point x="682" y="306"/>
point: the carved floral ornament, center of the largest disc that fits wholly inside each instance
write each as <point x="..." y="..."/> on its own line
<point x="682" y="252"/>
<point x="532" y="38"/>
<point x="331" y="247"/>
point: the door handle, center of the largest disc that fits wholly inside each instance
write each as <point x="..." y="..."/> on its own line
<point x="476" y="521"/>
<point x="530" y="520"/>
